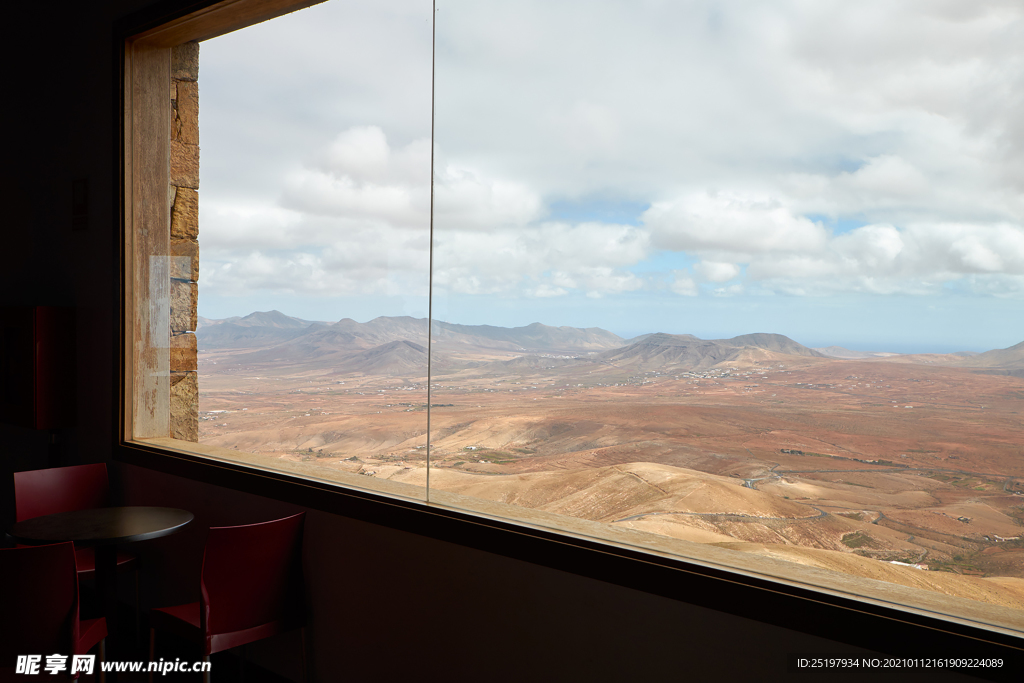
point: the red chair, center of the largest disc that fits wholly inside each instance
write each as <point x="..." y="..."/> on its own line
<point x="39" y="609"/>
<point x="251" y="588"/>
<point x="63" y="489"/>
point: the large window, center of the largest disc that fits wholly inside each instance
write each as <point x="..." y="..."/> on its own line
<point x="738" y="287"/>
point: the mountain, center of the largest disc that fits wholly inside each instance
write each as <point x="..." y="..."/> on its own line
<point x="397" y="344"/>
<point x="384" y="329"/>
<point x="272" y="319"/>
<point x="255" y="330"/>
<point x="279" y="337"/>
<point x="318" y="342"/>
<point x="688" y="352"/>
<point x="778" y="343"/>
<point x="395" y="358"/>
<point x="1009" y="361"/>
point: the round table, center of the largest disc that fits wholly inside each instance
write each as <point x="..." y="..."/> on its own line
<point x="104" y="529"/>
<point x="101" y="526"/>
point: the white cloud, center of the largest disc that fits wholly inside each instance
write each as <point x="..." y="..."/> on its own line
<point x="716" y="271"/>
<point x="355" y="221"/>
<point x="544" y="291"/>
<point x="920" y="259"/>
<point x="683" y="284"/>
<point x="248" y="225"/>
<point x="466" y="199"/>
<point x="360" y="176"/>
<point x="589" y="127"/>
<point x="886" y="176"/>
<point x="362" y="152"/>
<point x="541" y="258"/>
<point x="731" y="290"/>
<point x="873" y="247"/>
<point x="731" y="222"/>
<point x="355" y="263"/>
<point x="970" y="248"/>
<point x="753" y="133"/>
<point x="318" y="193"/>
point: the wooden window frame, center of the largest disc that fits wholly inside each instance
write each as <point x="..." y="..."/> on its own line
<point x="879" y="617"/>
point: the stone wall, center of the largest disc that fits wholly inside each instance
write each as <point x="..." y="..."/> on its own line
<point x="184" y="194"/>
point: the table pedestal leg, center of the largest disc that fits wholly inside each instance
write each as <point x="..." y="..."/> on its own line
<point x="106" y="592"/>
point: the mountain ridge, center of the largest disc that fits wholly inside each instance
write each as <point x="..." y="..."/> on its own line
<point x="274" y="337"/>
<point x="686" y="351"/>
<point x="272" y="328"/>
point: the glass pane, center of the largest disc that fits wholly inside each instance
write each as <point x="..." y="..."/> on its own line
<point x="314" y="229"/>
<point x="737" y="274"/>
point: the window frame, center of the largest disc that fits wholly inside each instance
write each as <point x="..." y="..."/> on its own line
<point x="141" y="46"/>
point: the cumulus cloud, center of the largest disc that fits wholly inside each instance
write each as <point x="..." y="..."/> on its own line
<point x="466" y="199"/>
<point x="249" y="225"/>
<point x="542" y="258"/>
<point x="361" y="176"/>
<point x="363" y="152"/>
<point x="380" y="261"/>
<point x="716" y="271"/>
<point x="782" y="146"/>
<point x="886" y="176"/>
<point x="683" y="284"/>
<point x="731" y="222"/>
<point x="352" y="220"/>
<point x="356" y="219"/>
<point x="919" y="259"/>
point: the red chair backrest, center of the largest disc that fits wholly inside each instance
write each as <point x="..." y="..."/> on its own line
<point x="60" y="489"/>
<point x="252" y="575"/>
<point x="39" y="602"/>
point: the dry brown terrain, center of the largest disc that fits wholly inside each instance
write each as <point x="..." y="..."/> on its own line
<point x="847" y="465"/>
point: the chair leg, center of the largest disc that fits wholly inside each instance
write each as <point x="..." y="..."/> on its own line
<point x="305" y="668"/>
<point x="241" y="664"/>
<point x="103" y="658"/>
<point x="152" y="650"/>
<point x="138" y="611"/>
<point x="206" y="672"/>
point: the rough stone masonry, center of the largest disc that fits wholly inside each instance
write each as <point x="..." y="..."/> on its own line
<point x="184" y="196"/>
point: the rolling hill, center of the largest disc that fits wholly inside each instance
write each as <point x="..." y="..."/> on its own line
<point x="256" y="330"/>
<point x="397" y="358"/>
<point x="688" y="352"/>
<point x="1008" y="361"/>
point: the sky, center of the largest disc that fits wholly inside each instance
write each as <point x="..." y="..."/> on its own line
<point x="842" y="173"/>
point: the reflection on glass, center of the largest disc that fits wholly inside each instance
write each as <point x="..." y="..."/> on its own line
<point x="747" y="277"/>
<point x="315" y="235"/>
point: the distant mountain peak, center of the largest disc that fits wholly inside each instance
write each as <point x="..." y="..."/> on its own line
<point x="271" y="319"/>
<point x="666" y="339"/>
<point x="770" y="341"/>
<point x="283" y="337"/>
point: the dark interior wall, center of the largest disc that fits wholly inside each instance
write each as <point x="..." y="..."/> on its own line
<point x="386" y="605"/>
<point x="58" y="118"/>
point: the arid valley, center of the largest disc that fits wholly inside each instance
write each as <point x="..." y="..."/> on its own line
<point x="907" y="469"/>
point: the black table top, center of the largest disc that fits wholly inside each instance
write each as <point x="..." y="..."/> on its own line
<point x="101" y="526"/>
